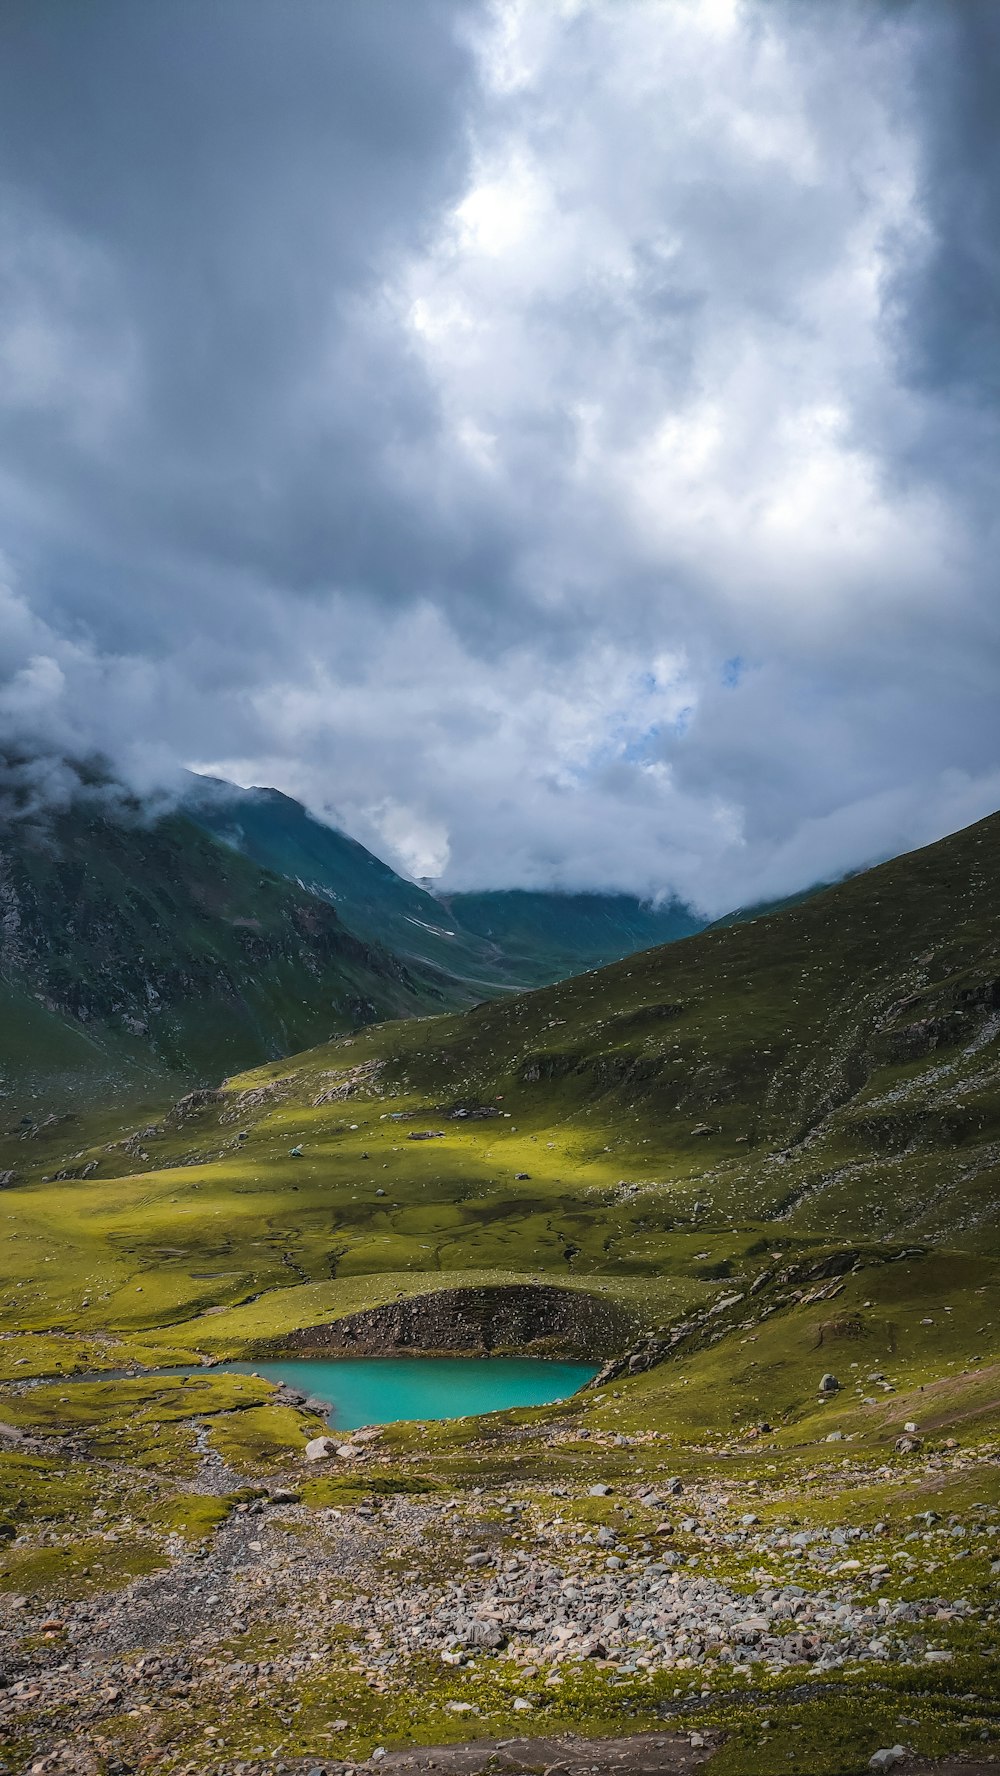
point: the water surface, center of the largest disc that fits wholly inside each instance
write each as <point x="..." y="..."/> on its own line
<point x="383" y="1390"/>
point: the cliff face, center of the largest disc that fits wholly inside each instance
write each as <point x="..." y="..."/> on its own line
<point x="522" y="1318"/>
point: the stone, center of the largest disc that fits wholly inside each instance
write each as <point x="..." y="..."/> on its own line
<point x="884" y="1759"/>
<point x="320" y="1449"/>
<point x="829" y="1385"/>
<point x="599" y="1491"/>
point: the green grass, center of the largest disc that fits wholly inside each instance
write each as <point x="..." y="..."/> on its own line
<point x="842" y="1057"/>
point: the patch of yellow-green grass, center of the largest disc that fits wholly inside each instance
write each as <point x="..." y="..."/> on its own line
<point x="38" y="1488"/>
<point x="263" y="1437"/>
<point x="193" y="1515"/>
<point x="145" y="1420"/>
<point x="325" y="1491"/>
<point x="80" y="1567"/>
<point x="23" y="1356"/>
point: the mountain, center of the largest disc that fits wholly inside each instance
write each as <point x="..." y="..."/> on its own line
<point x="493" y="940"/>
<point x="753" y="1174"/>
<point x="826" y="1073"/>
<point x="133" y="951"/>
<point x="547" y="936"/>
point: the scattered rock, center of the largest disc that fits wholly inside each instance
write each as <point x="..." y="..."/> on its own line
<point x="320" y="1448"/>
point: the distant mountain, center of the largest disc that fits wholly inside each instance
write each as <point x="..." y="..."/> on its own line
<point x="547" y="936"/>
<point x="131" y="952"/>
<point x="492" y="941"/>
<point x="373" y="902"/>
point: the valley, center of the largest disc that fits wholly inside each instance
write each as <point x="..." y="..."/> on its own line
<point x="751" y="1174"/>
<point x="496" y="941"/>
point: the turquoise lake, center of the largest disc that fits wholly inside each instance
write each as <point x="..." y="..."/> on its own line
<point x="382" y="1390"/>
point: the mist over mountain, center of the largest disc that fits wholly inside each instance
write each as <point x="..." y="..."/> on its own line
<point x="606" y="507"/>
<point x="500" y="938"/>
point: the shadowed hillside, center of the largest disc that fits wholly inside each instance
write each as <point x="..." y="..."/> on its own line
<point x="494" y="941"/>
<point x="132" y="952"/>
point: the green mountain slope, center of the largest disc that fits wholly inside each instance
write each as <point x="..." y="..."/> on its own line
<point x="828" y="1074"/>
<point x="132" y="952"/>
<point x="492" y="940"/>
<point x="760" y="1165"/>
<point x="547" y="936"/>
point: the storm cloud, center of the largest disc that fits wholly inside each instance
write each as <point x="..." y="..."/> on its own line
<point x="558" y="442"/>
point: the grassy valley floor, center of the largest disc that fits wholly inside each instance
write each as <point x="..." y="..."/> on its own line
<point x="762" y="1156"/>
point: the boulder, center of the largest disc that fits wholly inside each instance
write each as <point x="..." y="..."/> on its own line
<point x="884" y="1759"/>
<point x="829" y="1385"/>
<point x="319" y="1449"/>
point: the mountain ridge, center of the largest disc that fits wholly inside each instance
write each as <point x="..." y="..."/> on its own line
<point x="133" y="951"/>
<point x="499" y="939"/>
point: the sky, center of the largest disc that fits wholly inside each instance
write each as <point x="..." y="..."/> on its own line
<point x="555" y="439"/>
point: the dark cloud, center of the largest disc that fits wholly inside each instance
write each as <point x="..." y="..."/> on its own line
<point x="202" y="202"/>
<point x="422" y="407"/>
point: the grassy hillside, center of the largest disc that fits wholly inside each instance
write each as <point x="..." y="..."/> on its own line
<point x="492" y="941"/>
<point x="135" y="953"/>
<point x="771" y="1151"/>
<point x="825" y="1075"/>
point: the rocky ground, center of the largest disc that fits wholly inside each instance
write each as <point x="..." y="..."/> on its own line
<point x="298" y="1632"/>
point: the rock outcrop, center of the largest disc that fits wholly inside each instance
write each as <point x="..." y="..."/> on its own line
<point x="501" y="1319"/>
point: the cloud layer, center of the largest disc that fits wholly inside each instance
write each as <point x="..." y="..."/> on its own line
<point x="557" y="441"/>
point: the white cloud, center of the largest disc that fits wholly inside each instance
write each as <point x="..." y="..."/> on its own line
<point x="534" y="480"/>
